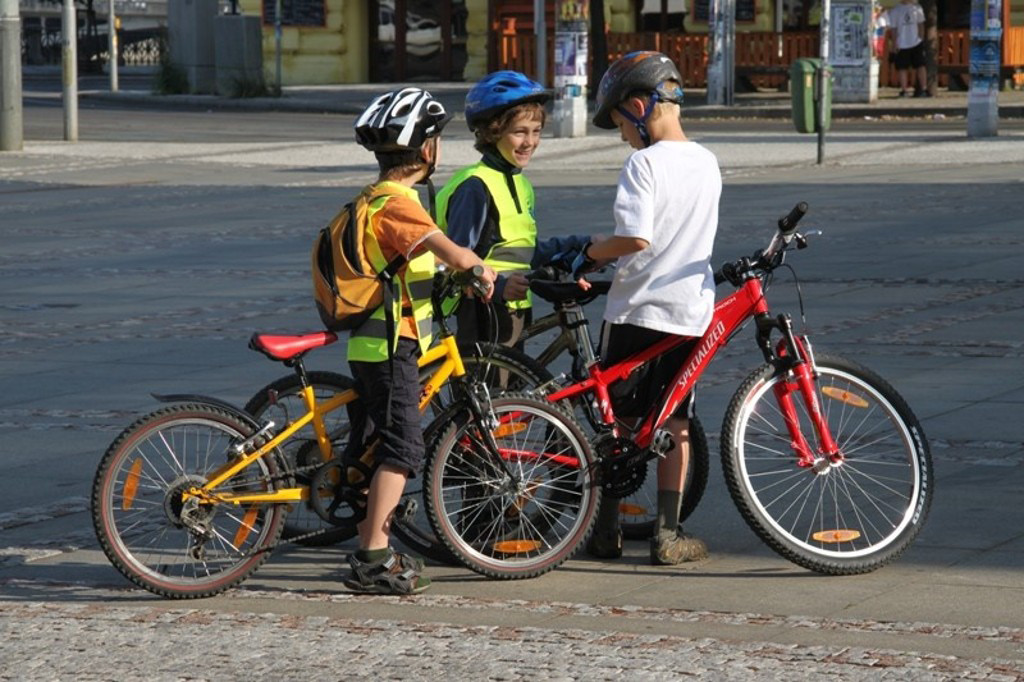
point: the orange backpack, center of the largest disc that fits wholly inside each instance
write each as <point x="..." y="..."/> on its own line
<point x="346" y="287"/>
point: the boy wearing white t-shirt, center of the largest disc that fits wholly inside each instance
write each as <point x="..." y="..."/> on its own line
<point x="666" y="216"/>
<point x="906" y="27"/>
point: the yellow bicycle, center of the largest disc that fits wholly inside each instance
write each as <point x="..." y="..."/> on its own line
<point x="189" y="500"/>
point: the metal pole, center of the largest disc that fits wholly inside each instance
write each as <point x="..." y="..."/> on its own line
<point x="779" y="9"/>
<point x="277" y="44"/>
<point x="730" y="52"/>
<point x="540" y="29"/>
<point x="721" y="61"/>
<point x="716" y="53"/>
<point x="12" y="129"/>
<point x="112" y="45"/>
<point x="822" y="78"/>
<point x="69" y="41"/>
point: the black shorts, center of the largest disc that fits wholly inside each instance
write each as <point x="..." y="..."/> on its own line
<point x="401" y="441"/>
<point x="644" y="389"/>
<point x="912" y="57"/>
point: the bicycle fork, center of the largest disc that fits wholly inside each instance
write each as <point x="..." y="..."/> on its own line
<point x="794" y="356"/>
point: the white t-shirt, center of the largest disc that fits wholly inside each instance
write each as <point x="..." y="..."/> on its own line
<point x="668" y="195"/>
<point x="905" y="18"/>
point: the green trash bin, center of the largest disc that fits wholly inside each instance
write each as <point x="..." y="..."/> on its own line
<point x="803" y="86"/>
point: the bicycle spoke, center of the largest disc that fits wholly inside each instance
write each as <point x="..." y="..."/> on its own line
<point x="523" y="513"/>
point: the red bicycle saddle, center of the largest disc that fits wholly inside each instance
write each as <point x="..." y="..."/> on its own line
<point x="286" y="347"/>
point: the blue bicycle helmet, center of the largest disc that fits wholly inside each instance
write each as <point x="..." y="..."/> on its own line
<point x="499" y="91"/>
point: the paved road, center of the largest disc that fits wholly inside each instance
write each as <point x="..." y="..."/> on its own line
<point x="142" y="261"/>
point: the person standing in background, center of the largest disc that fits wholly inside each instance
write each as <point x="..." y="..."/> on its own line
<point x="906" y="34"/>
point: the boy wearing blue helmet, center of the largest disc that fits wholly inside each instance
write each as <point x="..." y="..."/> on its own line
<point x="489" y="207"/>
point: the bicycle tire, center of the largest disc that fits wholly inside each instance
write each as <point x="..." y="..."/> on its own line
<point x="137" y="508"/>
<point x="643" y="503"/>
<point x="814" y="517"/>
<point x="496" y="534"/>
<point x="287" y="406"/>
<point x="479" y="360"/>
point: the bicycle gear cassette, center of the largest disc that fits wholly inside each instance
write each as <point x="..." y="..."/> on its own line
<point x="623" y="466"/>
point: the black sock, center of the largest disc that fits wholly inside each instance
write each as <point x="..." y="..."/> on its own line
<point x="372" y="555"/>
<point x="608" y="515"/>
<point x="668" y="513"/>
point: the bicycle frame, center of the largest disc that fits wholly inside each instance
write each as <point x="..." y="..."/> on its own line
<point x="792" y="354"/>
<point x="446" y="350"/>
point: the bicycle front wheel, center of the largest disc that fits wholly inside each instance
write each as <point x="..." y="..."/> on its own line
<point x="500" y="367"/>
<point x="281" y="401"/>
<point x="523" y="510"/>
<point x="850" y="516"/>
<point x="162" y="543"/>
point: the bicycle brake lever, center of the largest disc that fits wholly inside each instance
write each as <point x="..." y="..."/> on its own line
<point x="801" y="237"/>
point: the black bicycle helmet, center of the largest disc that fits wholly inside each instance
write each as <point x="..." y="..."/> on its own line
<point x="499" y="91"/>
<point x="400" y="120"/>
<point x="640" y="71"/>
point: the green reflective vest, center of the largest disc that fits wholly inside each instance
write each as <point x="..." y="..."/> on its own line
<point x="517" y="227"/>
<point x="369" y="343"/>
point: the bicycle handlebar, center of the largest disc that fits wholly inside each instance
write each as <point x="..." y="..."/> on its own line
<point x="788" y="224"/>
<point x="548" y="283"/>
<point x="471" y="278"/>
<point x="769" y="258"/>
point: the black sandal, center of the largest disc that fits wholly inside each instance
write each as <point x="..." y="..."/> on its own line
<point x="394" y="574"/>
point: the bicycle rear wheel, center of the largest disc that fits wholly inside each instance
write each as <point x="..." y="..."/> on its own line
<point x="281" y="401"/>
<point x="520" y="512"/>
<point x="847" y="517"/>
<point x="140" y="518"/>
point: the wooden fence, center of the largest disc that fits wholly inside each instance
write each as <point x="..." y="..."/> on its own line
<point x="762" y="59"/>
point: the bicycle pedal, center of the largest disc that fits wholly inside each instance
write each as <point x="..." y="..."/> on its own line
<point x="662" y="442"/>
<point x="406" y="509"/>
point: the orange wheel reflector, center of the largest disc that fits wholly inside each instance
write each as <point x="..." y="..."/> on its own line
<point x="832" y="536"/>
<point x="632" y="509"/>
<point x="131" y="485"/>
<point x="246" y="526"/>
<point x="509" y="429"/>
<point x="516" y="546"/>
<point x="844" y="396"/>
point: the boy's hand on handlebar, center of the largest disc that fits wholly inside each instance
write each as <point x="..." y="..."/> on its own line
<point x="483" y="287"/>
<point x="516" y="286"/>
<point x="582" y="264"/>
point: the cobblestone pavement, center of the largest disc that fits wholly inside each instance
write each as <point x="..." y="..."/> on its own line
<point x="41" y="641"/>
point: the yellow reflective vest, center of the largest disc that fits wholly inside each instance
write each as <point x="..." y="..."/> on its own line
<point x="368" y="343"/>
<point x="517" y="228"/>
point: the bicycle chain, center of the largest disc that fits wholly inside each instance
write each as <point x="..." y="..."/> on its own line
<point x="286" y="477"/>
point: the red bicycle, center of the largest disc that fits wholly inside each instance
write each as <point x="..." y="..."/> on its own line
<point x="826" y="462"/>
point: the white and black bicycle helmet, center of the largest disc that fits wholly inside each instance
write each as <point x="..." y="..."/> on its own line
<point x="400" y="120"/>
<point x="637" y="72"/>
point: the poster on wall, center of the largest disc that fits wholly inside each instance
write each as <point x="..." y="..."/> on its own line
<point x="571" y="55"/>
<point x="849" y="38"/>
